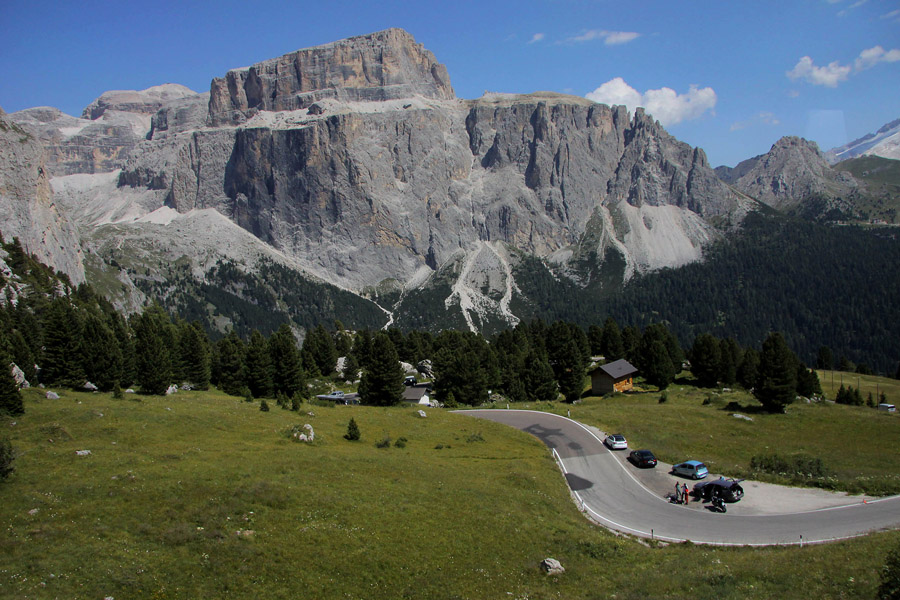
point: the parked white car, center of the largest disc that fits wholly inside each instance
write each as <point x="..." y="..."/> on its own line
<point x="616" y="441"/>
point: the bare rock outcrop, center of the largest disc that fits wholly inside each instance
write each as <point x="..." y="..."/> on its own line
<point x="27" y="209"/>
<point x="792" y="174"/>
<point x="380" y="66"/>
<point x="146" y="101"/>
<point x="110" y="127"/>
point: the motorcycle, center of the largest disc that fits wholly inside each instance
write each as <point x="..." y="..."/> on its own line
<point x="718" y="504"/>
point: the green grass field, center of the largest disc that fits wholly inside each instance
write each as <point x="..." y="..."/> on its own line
<point x="201" y="495"/>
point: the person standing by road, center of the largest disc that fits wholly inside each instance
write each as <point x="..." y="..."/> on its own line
<point x="677" y="493"/>
<point x="687" y="496"/>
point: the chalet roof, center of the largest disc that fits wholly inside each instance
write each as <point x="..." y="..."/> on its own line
<point x="618" y="369"/>
<point x="414" y="393"/>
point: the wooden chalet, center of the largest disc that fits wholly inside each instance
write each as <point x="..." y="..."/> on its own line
<point x="617" y="376"/>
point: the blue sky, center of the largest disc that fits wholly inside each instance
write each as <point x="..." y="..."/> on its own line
<point x="729" y="76"/>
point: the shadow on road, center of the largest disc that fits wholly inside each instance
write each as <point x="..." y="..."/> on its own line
<point x="578" y="483"/>
<point x="551" y="437"/>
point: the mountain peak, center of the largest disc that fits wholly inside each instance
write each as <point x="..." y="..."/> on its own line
<point x="884" y="143"/>
<point x="384" y="65"/>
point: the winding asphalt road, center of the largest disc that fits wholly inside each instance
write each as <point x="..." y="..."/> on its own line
<point x="607" y="490"/>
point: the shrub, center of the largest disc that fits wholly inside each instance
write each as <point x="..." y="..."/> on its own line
<point x="475" y="437"/>
<point x="295" y="403"/>
<point x="352" y="430"/>
<point x="7" y="457"/>
<point x="384" y="443"/>
<point x="401" y="442"/>
<point x="663" y="397"/>
<point x="117" y="391"/>
<point x="263" y="405"/>
<point x="890" y="577"/>
<point x="801" y="466"/>
<point x="248" y="396"/>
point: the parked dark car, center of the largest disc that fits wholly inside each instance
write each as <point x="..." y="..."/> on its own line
<point x="642" y="458"/>
<point x="729" y="490"/>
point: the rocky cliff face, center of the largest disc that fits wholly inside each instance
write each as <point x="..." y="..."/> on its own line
<point x="27" y="209"/>
<point x="380" y="66"/>
<point x="109" y="128"/>
<point x="355" y="161"/>
<point x="367" y="191"/>
<point x="792" y="175"/>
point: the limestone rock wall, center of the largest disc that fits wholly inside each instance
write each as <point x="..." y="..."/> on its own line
<point x="380" y="66"/>
<point x="27" y="209"/>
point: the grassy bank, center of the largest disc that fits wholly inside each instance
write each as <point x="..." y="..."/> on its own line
<point x="203" y="495"/>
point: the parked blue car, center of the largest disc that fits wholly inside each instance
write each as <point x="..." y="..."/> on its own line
<point x="691" y="468"/>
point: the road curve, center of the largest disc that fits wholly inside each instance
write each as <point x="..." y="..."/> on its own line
<point x="610" y="493"/>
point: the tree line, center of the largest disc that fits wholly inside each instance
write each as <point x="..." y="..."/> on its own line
<point x="76" y="336"/>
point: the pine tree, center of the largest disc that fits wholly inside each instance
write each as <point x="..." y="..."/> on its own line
<point x="230" y="353"/>
<point x="458" y="370"/>
<point x="845" y="365"/>
<point x="612" y="345"/>
<point x="808" y="382"/>
<point x="61" y="363"/>
<point x="537" y="377"/>
<point x="382" y="381"/>
<point x="658" y="368"/>
<point x="101" y="358"/>
<point x="653" y="333"/>
<point x="288" y="376"/>
<point x="567" y="360"/>
<point x="731" y="358"/>
<point x="777" y="385"/>
<point x="351" y="368"/>
<point x="152" y="350"/>
<point x="824" y="359"/>
<point x="259" y="366"/>
<point x="569" y="368"/>
<point x="748" y="369"/>
<point x="10" y="396"/>
<point x="352" y="431"/>
<point x="22" y="355"/>
<point x="706" y="360"/>
<point x="362" y="348"/>
<point x="319" y="354"/>
<point x="194" y="353"/>
<point x="125" y="341"/>
<point x="595" y="338"/>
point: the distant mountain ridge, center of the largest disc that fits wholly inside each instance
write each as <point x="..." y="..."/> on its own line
<point x="354" y="163"/>
<point x="794" y="177"/>
<point x="884" y="143"/>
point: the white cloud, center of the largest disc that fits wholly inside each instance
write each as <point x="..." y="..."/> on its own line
<point x="610" y="38"/>
<point x="536" y="38"/>
<point x="829" y="76"/>
<point x="894" y="14"/>
<point x="871" y="57"/>
<point x="665" y="104"/>
<point x="762" y="118"/>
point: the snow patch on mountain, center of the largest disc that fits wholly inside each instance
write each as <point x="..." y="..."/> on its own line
<point x="884" y="143"/>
